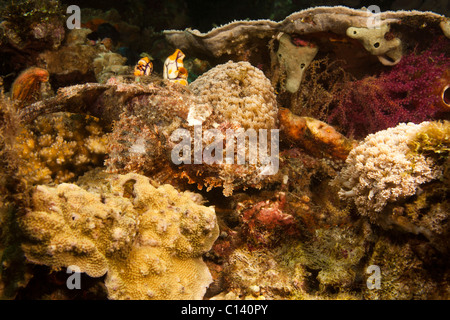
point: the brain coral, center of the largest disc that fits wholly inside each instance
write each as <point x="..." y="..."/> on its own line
<point x="148" y="240"/>
<point x="238" y="93"/>
<point x="383" y="169"/>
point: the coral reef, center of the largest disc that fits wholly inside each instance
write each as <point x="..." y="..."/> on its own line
<point x="174" y="69"/>
<point x="264" y="223"/>
<point x="109" y="64"/>
<point x="102" y="149"/>
<point x="32" y="24"/>
<point x="382" y="170"/>
<point x="404" y="275"/>
<point x="148" y="240"/>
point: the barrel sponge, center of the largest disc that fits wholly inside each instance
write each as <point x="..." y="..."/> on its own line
<point x="383" y="169"/>
<point x="238" y="93"/>
<point x="149" y="240"/>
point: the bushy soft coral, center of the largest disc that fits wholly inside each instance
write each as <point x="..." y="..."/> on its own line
<point x="406" y="93"/>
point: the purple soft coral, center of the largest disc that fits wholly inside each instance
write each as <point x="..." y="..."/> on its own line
<point x="406" y="93"/>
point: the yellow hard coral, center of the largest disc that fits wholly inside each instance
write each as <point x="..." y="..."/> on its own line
<point x="149" y="240"/>
<point x="59" y="147"/>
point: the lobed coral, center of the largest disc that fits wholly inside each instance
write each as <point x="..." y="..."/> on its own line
<point x="148" y="240"/>
<point x="382" y="170"/>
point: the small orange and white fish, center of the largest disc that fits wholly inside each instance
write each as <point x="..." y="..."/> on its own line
<point x="174" y="69"/>
<point x="144" y="67"/>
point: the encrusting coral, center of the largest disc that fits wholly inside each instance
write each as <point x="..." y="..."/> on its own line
<point x="382" y="169"/>
<point x="109" y="64"/>
<point x="149" y="240"/>
<point x="315" y="136"/>
<point x="238" y="97"/>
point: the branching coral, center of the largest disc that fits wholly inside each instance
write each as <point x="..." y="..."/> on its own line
<point x="405" y="93"/>
<point x="382" y="169"/>
<point x="58" y="148"/>
<point x="149" y="240"/>
<point x="29" y="23"/>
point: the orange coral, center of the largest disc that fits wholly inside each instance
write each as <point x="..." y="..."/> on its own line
<point x="26" y="87"/>
<point x="315" y="136"/>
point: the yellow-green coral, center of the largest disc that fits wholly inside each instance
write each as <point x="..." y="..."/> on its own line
<point x="432" y="140"/>
<point x="59" y="147"/>
<point x="149" y="240"/>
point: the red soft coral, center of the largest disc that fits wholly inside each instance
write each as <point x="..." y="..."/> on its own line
<point x="406" y="93"/>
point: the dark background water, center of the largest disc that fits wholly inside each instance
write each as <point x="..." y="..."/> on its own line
<point x="205" y="14"/>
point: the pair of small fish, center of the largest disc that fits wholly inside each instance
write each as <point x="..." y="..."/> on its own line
<point x="174" y="69"/>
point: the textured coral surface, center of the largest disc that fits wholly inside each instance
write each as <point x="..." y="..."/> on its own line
<point x="149" y="240"/>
